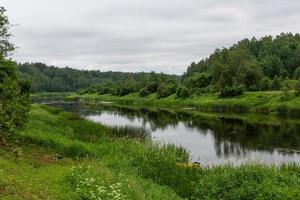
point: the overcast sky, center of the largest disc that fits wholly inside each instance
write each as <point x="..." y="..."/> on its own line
<point x="140" y="35"/>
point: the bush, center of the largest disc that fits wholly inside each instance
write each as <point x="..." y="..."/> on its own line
<point x="285" y="94"/>
<point x="265" y="84"/>
<point x="166" y="89"/>
<point x="182" y="92"/>
<point x="231" y="91"/>
<point x="144" y="92"/>
<point x="152" y="86"/>
<point x="275" y="84"/>
<point x="297" y="88"/>
<point x="14" y="98"/>
<point x="297" y="74"/>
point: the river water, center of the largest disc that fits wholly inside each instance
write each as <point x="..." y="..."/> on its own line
<point x="210" y="138"/>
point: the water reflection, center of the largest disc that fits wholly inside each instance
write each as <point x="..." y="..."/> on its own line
<point x="210" y="139"/>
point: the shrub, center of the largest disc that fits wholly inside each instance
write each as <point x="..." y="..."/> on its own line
<point x="285" y="93"/>
<point x="14" y="98"/>
<point x="265" y="84"/>
<point x="182" y="92"/>
<point x="152" y="86"/>
<point x="297" y="88"/>
<point x="275" y="84"/>
<point x="166" y="89"/>
<point x="231" y="91"/>
<point x="297" y="74"/>
<point x="144" y="92"/>
<point x="198" y="80"/>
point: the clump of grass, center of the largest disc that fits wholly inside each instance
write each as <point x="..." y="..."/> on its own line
<point x="159" y="163"/>
<point x="130" y="132"/>
<point x="89" y="186"/>
<point x="51" y="109"/>
<point x="249" y="182"/>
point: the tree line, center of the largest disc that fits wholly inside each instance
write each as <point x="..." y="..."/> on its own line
<point x="268" y="63"/>
<point x="53" y="79"/>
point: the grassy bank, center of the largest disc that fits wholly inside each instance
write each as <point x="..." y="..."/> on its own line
<point x="61" y="156"/>
<point x="251" y="102"/>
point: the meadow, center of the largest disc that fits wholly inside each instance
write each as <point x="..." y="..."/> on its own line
<point x="59" y="155"/>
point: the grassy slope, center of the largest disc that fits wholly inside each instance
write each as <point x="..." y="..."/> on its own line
<point x="258" y="102"/>
<point x="35" y="175"/>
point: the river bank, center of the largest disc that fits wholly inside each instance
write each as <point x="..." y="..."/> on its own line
<point x="59" y="151"/>
<point x="265" y="103"/>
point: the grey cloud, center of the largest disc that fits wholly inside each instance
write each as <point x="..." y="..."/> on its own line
<point x="140" y="35"/>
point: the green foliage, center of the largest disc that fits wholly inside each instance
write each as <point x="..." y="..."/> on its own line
<point x="231" y="91"/>
<point x="297" y="74"/>
<point x="276" y="83"/>
<point x="297" y="88"/>
<point x="127" y="87"/>
<point x="197" y="80"/>
<point x="166" y="89"/>
<point x="182" y="92"/>
<point x="53" y="79"/>
<point x="146" y="85"/>
<point x="265" y="84"/>
<point x="248" y="62"/>
<point x="144" y="92"/>
<point x="5" y="45"/>
<point x="14" y="93"/>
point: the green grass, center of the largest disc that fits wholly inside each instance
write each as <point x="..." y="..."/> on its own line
<point x="95" y="157"/>
<point x="250" y="102"/>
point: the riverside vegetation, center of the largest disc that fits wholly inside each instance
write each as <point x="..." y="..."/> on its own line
<point x="96" y="160"/>
<point x="46" y="153"/>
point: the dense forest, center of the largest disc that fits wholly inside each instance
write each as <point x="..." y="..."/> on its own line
<point x="269" y="63"/>
<point x="53" y="79"/>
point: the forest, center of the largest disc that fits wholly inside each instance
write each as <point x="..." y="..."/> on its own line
<point x="53" y="79"/>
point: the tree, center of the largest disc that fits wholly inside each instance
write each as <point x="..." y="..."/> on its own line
<point x="182" y="92"/>
<point x="6" y="46"/>
<point x="197" y="80"/>
<point x="297" y="88"/>
<point x="14" y="93"/>
<point x="166" y="89"/>
<point x="248" y="61"/>
<point x="265" y="84"/>
<point x="275" y="84"/>
<point x="14" y="98"/>
<point x="231" y="91"/>
<point x="249" y="74"/>
<point x="297" y="74"/>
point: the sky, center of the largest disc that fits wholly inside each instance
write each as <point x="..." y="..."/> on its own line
<point x="140" y="35"/>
